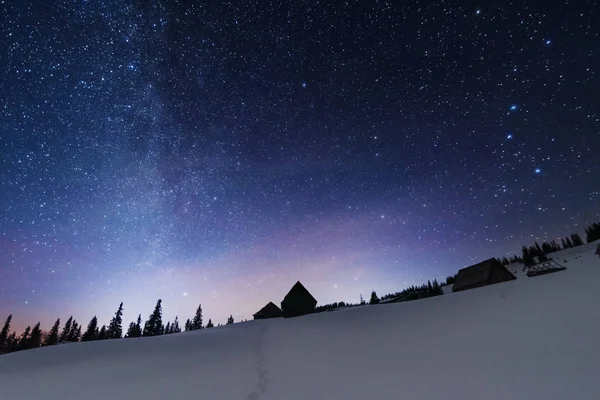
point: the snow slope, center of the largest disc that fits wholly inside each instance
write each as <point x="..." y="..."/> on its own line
<point x="532" y="338"/>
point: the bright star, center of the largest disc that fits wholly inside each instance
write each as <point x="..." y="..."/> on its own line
<point x="548" y="41"/>
<point x="303" y="84"/>
<point x="509" y="136"/>
<point x="538" y="170"/>
<point x="477" y="12"/>
<point x="513" y="107"/>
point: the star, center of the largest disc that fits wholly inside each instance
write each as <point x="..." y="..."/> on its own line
<point x="514" y="107"/>
<point x="509" y="136"/>
<point x="538" y="170"/>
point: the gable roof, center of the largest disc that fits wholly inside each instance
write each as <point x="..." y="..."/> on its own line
<point x="299" y="291"/>
<point x="269" y="310"/>
<point x="479" y="274"/>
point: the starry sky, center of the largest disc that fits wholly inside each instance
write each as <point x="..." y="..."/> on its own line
<point x="217" y="152"/>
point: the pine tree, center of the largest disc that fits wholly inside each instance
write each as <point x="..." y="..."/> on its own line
<point x="375" y="299"/>
<point x="91" y="332"/>
<point x="12" y="343"/>
<point x="4" y="333"/>
<point x="546" y="248"/>
<point x="188" y="325"/>
<point x="230" y="320"/>
<point x="115" y="327"/>
<point x="564" y="245"/>
<point x="569" y="243"/>
<point x="168" y="328"/>
<point x="66" y="330"/>
<point x="362" y="301"/>
<point x="437" y="289"/>
<point x="52" y="337"/>
<point x="139" y="326"/>
<point x="576" y="239"/>
<point x="197" y="320"/>
<point x="24" y="340"/>
<point x="175" y="326"/>
<point x="592" y="233"/>
<point x="153" y="326"/>
<point x="135" y="328"/>
<point x="210" y="324"/>
<point x="102" y="335"/>
<point x="35" y="339"/>
<point x="75" y="333"/>
<point x="130" y="330"/>
<point x="527" y="256"/>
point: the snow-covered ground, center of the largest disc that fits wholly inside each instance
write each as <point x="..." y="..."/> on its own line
<point x="531" y="339"/>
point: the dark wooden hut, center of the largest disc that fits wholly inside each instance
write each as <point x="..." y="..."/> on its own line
<point x="485" y="273"/>
<point x="269" y="311"/>
<point x="298" y="302"/>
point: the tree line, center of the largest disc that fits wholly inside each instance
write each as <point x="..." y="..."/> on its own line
<point x="540" y="251"/>
<point x="71" y="331"/>
<point x="428" y="289"/>
<point x="529" y="253"/>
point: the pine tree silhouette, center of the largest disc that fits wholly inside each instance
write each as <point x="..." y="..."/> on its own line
<point x="154" y="326"/>
<point x="130" y="331"/>
<point x="230" y="320"/>
<point x="538" y="249"/>
<point x="91" y="333"/>
<point x="375" y="299"/>
<point x="168" y="328"/>
<point x="210" y="324"/>
<point x="102" y="334"/>
<point x="75" y="333"/>
<point x="135" y="328"/>
<point x="52" y="337"/>
<point x="527" y="257"/>
<point x="24" y="340"/>
<point x="138" y="326"/>
<point x="35" y="339"/>
<point x="437" y="289"/>
<point x="576" y="239"/>
<point x="11" y="343"/>
<point x="115" y="327"/>
<point x="197" y="320"/>
<point x="569" y="243"/>
<point x="4" y="333"/>
<point x="175" y="328"/>
<point x="66" y="330"/>
<point x="592" y="233"/>
<point x="188" y="325"/>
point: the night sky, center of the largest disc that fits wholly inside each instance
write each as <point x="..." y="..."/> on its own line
<point x="218" y="153"/>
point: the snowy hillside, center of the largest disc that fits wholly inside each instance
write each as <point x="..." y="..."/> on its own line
<point x="532" y="338"/>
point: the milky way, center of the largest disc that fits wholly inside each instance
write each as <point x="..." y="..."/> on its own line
<point x="216" y="153"/>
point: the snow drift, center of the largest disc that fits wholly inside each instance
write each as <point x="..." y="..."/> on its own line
<point x="532" y="338"/>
